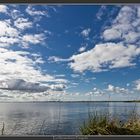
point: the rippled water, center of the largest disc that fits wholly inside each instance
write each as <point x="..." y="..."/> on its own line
<point x="56" y="118"/>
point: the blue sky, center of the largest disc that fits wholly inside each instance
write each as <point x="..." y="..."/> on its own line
<point x="69" y="52"/>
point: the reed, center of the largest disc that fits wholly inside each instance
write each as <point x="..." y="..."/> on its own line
<point x="3" y="128"/>
<point x="103" y="125"/>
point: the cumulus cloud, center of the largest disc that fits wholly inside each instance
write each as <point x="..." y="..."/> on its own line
<point x="23" y="23"/>
<point x="58" y="87"/>
<point x="3" y="9"/>
<point x="59" y="80"/>
<point x="132" y="37"/>
<point x="16" y="95"/>
<point x="33" y="39"/>
<point x="82" y="49"/>
<point x="21" y="85"/>
<point x="75" y="75"/>
<point x="11" y="35"/>
<point x="114" y="89"/>
<point x="23" y="73"/>
<point x="33" y="12"/>
<point x="7" y="41"/>
<point x="53" y="59"/>
<point x="101" y="12"/>
<point x="113" y="56"/>
<point x="8" y="34"/>
<point x="95" y="92"/>
<point x="111" y="88"/>
<point x="20" y="75"/>
<point x="110" y="55"/>
<point x="94" y="89"/>
<point x="60" y="75"/>
<point x="14" y="13"/>
<point x="86" y="32"/>
<point x="112" y="34"/>
<point x="13" y="28"/>
<point x="124" y="26"/>
<point x="137" y="84"/>
<point x="7" y="30"/>
<point x="16" y="64"/>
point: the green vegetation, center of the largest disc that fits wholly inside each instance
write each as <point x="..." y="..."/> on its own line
<point x="103" y="125"/>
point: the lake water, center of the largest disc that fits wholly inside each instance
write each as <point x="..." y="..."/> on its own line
<point x="57" y="118"/>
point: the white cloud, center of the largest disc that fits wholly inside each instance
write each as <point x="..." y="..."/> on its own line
<point x="15" y="14"/>
<point x="137" y="84"/>
<point x="110" y="55"/>
<point x="101" y="12"/>
<point x="23" y="23"/>
<point x="132" y="37"/>
<point x="33" y="12"/>
<point x="12" y="28"/>
<point x="60" y="75"/>
<point x="58" y="87"/>
<point x="53" y="59"/>
<point x="82" y="49"/>
<point x="74" y="84"/>
<point x="77" y="93"/>
<point x="88" y="94"/>
<point x="114" y="89"/>
<point x="75" y="75"/>
<point x="87" y="80"/>
<point x="19" y="69"/>
<point x="21" y="85"/>
<point x="124" y="26"/>
<point x="94" y="89"/>
<point x="12" y="31"/>
<point x="33" y="39"/>
<point x="111" y="34"/>
<point x="113" y="56"/>
<point x="98" y="93"/>
<point x="125" y="15"/>
<point x="8" y="34"/>
<point x="16" y="95"/>
<point x="7" y="30"/>
<point x="18" y="72"/>
<point x="39" y="60"/>
<point x="95" y="92"/>
<point x="7" y="41"/>
<point x="138" y="12"/>
<point x="86" y="32"/>
<point x="111" y="88"/>
<point x="59" y="80"/>
<point x="3" y="9"/>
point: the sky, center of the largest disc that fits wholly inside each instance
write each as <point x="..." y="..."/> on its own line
<point x="69" y="52"/>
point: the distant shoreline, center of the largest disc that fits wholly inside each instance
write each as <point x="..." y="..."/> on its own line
<point x="133" y="101"/>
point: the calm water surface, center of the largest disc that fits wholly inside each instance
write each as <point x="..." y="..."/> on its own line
<point x="57" y="118"/>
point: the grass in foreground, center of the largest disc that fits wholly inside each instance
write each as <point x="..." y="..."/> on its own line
<point x="102" y="125"/>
